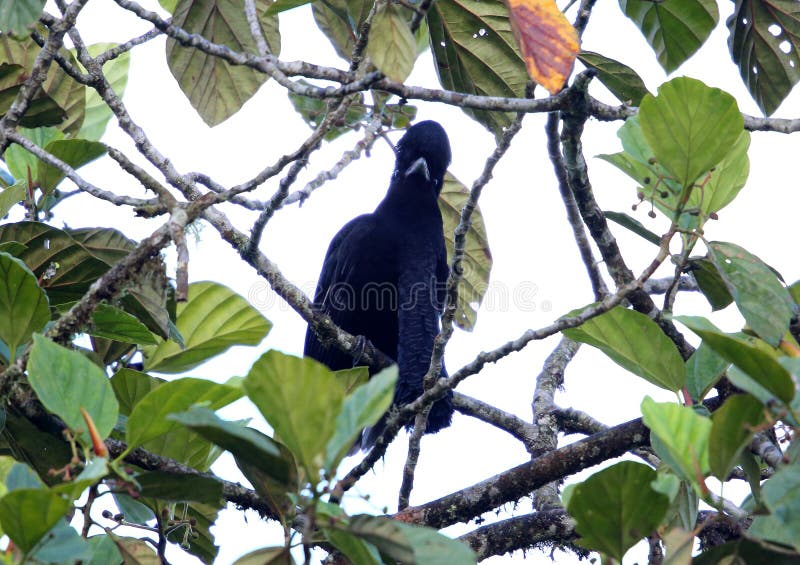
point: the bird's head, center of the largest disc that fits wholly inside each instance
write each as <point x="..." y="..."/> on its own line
<point x="423" y="153"/>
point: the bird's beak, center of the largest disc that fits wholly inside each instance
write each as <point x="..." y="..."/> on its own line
<point x="420" y="166"/>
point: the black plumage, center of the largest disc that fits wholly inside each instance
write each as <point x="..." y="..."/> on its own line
<point x="384" y="274"/>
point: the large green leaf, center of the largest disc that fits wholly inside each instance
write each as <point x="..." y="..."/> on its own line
<point x="22" y="163"/>
<point x="411" y="545"/>
<point x="246" y="444"/>
<point x="703" y="369"/>
<point x="762" y="299"/>
<point x="622" y="494"/>
<point x="23" y="304"/>
<point x="391" y="44"/>
<point x="12" y="195"/>
<point x="361" y="409"/>
<point x="18" y="16"/>
<point x="621" y="80"/>
<point x="216" y="89"/>
<point x="727" y="178"/>
<point x="757" y="362"/>
<point x="675" y="29"/>
<point x="635" y="342"/>
<point x="711" y="284"/>
<point x="212" y="320"/>
<point x="340" y="21"/>
<point x="98" y="113"/>
<point x="64" y="267"/>
<point x="73" y="152"/>
<point x="26" y="515"/>
<point x="475" y="52"/>
<point x="477" y="262"/>
<point x="767" y="57"/>
<point x="113" y="323"/>
<point x="67" y="93"/>
<point x="733" y="425"/>
<point x="690" y="126"/>
<point x="66" y="381"/>
<point x="63" y="544"/>
<point x="131" y="386"/>
<point x="781" y="494"/>
<point x="682" y="437"/>
<point x="179" y="487"/>
<point x="42" y="111"/>
<point x="148" y="419"/>
<point x="277" y="381"/>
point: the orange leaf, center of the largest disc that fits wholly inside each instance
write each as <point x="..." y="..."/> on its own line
<point x="548" y="42"/>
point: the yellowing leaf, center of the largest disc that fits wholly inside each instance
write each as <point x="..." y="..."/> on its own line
<point x="548" y="42"/>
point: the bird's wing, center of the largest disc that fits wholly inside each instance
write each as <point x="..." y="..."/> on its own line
<point x="336" y="287"/>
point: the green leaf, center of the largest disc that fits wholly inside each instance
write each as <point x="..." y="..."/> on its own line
<point x="61" y="100"/>
<point x="216" y="89"/>
<point x="23" y="304"/>
<point x="11" y="196"/>
<point x="26" y="515"/>
<point x="267" y="556"/>
<point x="148" y="419"/>
<point x="728" y="177"/>
<point x="475" y="52"/>
<point x="20" y="161"/>
<point x="284" y="5"/>
<point x="18" y="16"/>
<point x="103" y="550"/>
<point x="73" y="152"/>
<point x="711" y="284"/>
<point x="675" y="29"/>
<point x="621" y="80"/>
<point x="62" y="544"/>
<point x="632" y="224"/>
<point x="781" y="494"/>
<point x="135" y="551"/>
<point x="363" y="408"/>
<point x="623" y="496"/>
<point x="98" y="113"/>
<point x="412" y="545"/>
<point x="131" y="386"/>
<point x="39" y="449"/>
<point x="313" y="111"/>
<point x="636" y="343"/>
<point x="66" y="381"/>
<point x="354" y="548"/>
<point x="733" y="425"/>
<point x="682" y="436"/>
<point x="133" y="510"/>
<point x="768" y="71"/>
<point x="391" y="45"/>
<point x="42" y="111"/>
<point x="20" y="476"/>
<point x="180" y="487"/>
<point x="703" y="369"/>
<point x="246" y="444"/>
<point x="690" y="126"/>
<point x="276" y="381"/>
<point x="340" y="20"/>
<point x="211" y="321"/>
<point x="113" y="323"/>
<point x="201" y="543"/>
<point x="477" y="262"/>
<point x="64" y="267"/>
<point x="762" y="299"/>
<point x="755" y="361"/>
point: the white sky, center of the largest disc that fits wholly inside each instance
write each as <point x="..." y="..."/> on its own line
<point x="537" y="270"/>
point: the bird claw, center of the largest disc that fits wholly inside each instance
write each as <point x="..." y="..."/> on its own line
<point x="358" y="349"/>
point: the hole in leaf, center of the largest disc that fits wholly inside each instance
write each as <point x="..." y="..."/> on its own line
<point x="482" y="32"/>
<point x="744" y="21"/>
<point x="47" y="244"/>
<point x="774" y="29"/>
<point x="785" y="46"/>
<point x="791" y="63"/>
<point x="755" y="70"/>
<point x="442" y="43"/>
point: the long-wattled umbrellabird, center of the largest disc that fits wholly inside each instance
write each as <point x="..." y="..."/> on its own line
<point x="384" y="274"/>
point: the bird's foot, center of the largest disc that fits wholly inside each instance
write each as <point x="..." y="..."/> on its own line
<point x="358" y="349"/>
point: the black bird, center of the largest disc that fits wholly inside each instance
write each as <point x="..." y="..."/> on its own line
<point x="384" y="274"/>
